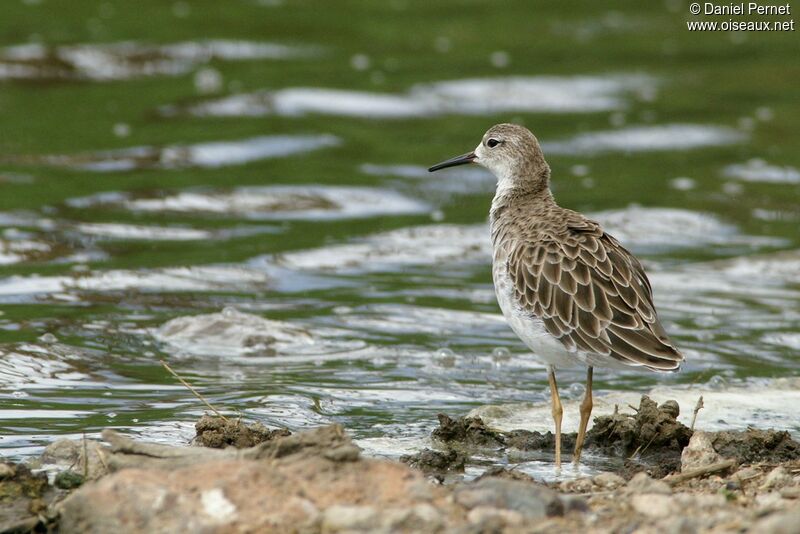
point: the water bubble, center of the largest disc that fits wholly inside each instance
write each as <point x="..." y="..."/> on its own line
<point x="111" y="415"/>
<point x="48" y="338"/>
<point x="501" y="354"/>
<point x="682" y="183"/>
<point x="229" y="312"/>
<point x="445" y="357"/>
<point x="717" y="383"/>
<point x="181" y="9"/>
<point x="579" y="170"/>
<point x="500" y="59"/>
<point x="208" y="80"/>
<point x="747" y="123"/>
<point x="107" y="393"/>
<point x="437" y="215"/>
<point x="360" y="62"/>
<point x="19" y="394"/>
<point x="442" y="44"/>
<point x="588" y="182"/>
<point x="577" y="390"/>
<point x="135" y="419"/>
<point x="238" y="376"/>
<point x="764" y="114"/>
<point x="732" y="188"/>
<point x="121" y="129"/>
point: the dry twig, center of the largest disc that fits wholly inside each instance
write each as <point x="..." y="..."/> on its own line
<point x="697" y="408"/>
<point x="700" y="471"/>
<point x="194" y="391"/>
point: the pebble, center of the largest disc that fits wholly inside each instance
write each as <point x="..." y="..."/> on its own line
<point x="700" y="452"/>
<point x="781" y="523"/>
<point x="63" y="451"/>
<point x="609" y="480"/>
<point x="581" y="485"/>
<point x="343" y="517"/>
<point x="529" y="500"/>
<point x="487" y="514"/>
<point x="642" y="483"/>
<point x="777" y="478"/>
<point x="746" y="473"/>
<point x="420" y="518"/>
<point x="654" y="505"/>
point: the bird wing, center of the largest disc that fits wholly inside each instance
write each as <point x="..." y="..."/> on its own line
<point x="592" y="295"/>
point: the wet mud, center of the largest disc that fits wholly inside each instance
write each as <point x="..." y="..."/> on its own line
<point x="24" y="499"/>
<point x="647" y="439"/>
<point x="218" y="433"/>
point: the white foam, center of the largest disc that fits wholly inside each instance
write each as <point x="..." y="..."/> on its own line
<point x="231" y="333"/>
<point x="209" y="155"/>
<point x="636" y="227"/>
<point x="418" y="245"/>
<point x="758" y="170"/>
<point x="783" y="266"/>
<point x="175" y="279"/>
<point x="250" y="339"/>
<point x="546" y="94"/>
<point x="406" y="319"/>
<point x="289" y="202"/>
<point x="128" y="59"/>
<point x="139" y="232"/>
<point x="20" y="250"/>
<point x="647" y="138"/>
<point x="549" y="94"/>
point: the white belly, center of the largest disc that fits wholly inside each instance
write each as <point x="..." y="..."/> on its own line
<point x="530" y="330"/>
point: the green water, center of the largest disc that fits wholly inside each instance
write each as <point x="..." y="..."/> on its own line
<point x="379" y="368"/>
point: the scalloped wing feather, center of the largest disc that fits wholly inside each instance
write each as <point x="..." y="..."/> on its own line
<point x="592" y="295"/>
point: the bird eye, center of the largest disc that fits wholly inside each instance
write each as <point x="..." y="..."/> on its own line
<point x="491" y="143"/>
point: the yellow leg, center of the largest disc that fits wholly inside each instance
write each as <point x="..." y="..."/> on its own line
<point x="558" y="411"/>
<point x="586" y="411"/>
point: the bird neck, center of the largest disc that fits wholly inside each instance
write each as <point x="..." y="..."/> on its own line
<point x="514" y="192"/>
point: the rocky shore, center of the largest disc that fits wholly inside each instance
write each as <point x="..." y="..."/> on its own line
<point x="247" y="478"/>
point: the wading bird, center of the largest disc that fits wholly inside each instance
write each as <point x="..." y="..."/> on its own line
<point x="568" y="289"/>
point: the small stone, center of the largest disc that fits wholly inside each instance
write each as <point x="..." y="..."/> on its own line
<point x="531" y="500"/>
<point x="421" y="518"/>
<point x="342" y="517"/>
<point x="777" y="478"/>
<point x="641" y="483"/>
<point x="733" y="485"/>
<point x="63" y="451"/>
<point x="582" y="485"/>
<point x="780" y="523"/>
<point x="654" y="505"/>
<point x="699" y="453"/>
<point x="768" y="501"/>
<point x="574" y="503"/>
<point x="609" y="480"/>
<point x="746" y="473"/>
<point x="487" y="514"/>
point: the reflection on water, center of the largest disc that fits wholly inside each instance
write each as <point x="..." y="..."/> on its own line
<point x="260" y="214"/>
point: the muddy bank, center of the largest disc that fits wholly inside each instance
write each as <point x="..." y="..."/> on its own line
<point x="647" y="438"/>
<point x="250" y="478"/>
